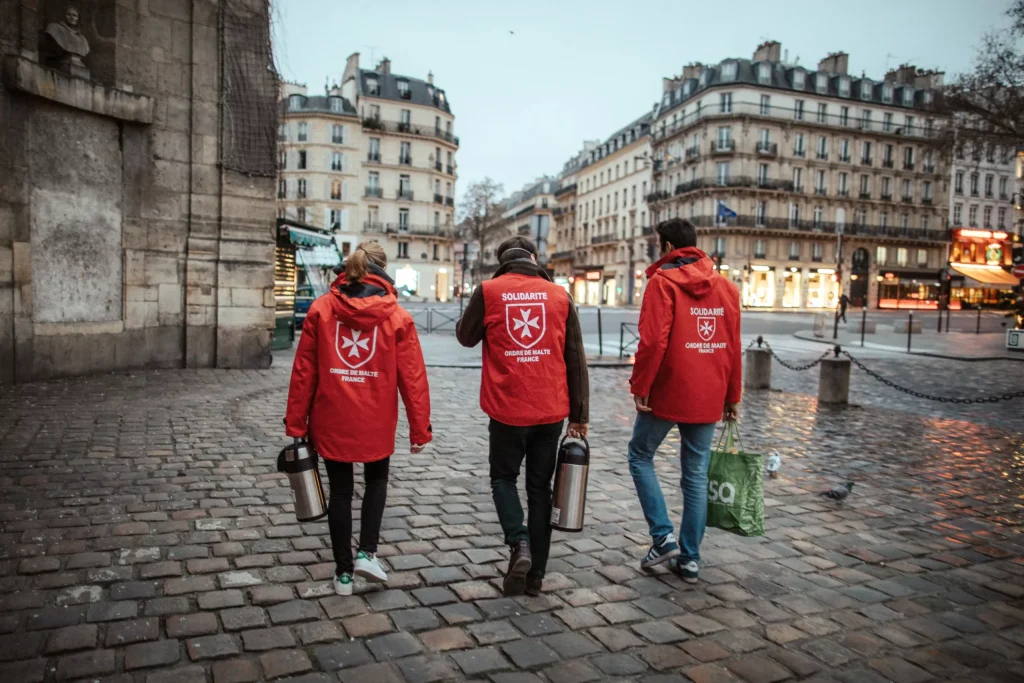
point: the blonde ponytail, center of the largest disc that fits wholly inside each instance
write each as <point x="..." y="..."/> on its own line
<point x="358" y="264"/>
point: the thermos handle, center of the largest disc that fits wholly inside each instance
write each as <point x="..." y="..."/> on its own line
<point x="582" y="438"/>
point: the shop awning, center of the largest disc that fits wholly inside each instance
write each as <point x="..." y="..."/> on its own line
<point x="309" y="238"/>
<point x="986" y="277"/>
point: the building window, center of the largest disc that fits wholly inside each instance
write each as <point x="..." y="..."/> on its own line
<point x="988" y="216"/>
<point x="922" y="258"/>
<point x="1002" y="188"/>
<point x="865" y="155"/>
<point x="762" y="175"/>
<point x="907" y="192"/>
<point x="405" y="154"/>
<point x="337" y="161"/>
<point x="883" y="220"/>
<point x="724" y="137"/>
<point x="1002" y="218"/>
<point x="336" y="189"/>
<point x="908" y="158"/>
<point x="301" y="194"/>
<point x="844" y="149"/>
<point x="819" y="216"/>
<point x="972" y="215"/>
<point x="725" y="101"/>
<point x="798" y="145"/>
<point x="822" y="112"/>
<point x="723" y="173"/>
<point x="926" y="194"/>
<point x="799" y="79"/>
<point x="844" y="116"/>
<point x="303" y="214"/>
<point x="844" y="86"/>
<point x="958" y="183"/>
<point x="718" y="246"/>
<point x="764" y="73"/>
<point x="865" y="119"/>
<point x="372" y="86"/>
<point x="974" y="184"/>
<point x="302" y="159"/>
<point x="817" y="252"/>
<point x="760" y="212"/>
<point x="822" y="147"/>
<point x="908" y="125"/>
<point x="989" y="180"/>
<point x="886" y="188"/>
<point x="901" y="256"/>
<point x="819" y="182"/>
<point x="794" y="251"/>
<point x="821" y="83"/>
<point x="843" y="187"/>
<point x="403" y="220"/>
<point x="881" y="255"/>
<point x="282" y="188"/>
<point x="759" y="248"/>
<point x="798" y="177"/>
<point x="403" y="250"/>
<point x="282" y="160"/>
<point x="908" y="96"/>
<point x="887" y="123"/>
<point x="958" y="210"/>
<point x="887" y="93"/>
<point x="403" y="89"/>
<point x="766" y="105"/>
<point x="924" y="222"/>
<point x="798" y="110"/>
<point x="729" y="71"/>
<point x="303" y="131"/>
<point x="865" y="90"/>
<point x="865" y="186"/>
<point x="794" y="214"/>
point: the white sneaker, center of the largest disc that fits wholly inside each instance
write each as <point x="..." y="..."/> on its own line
<point x="370" y="568"/>
<point x="343" y="584"/>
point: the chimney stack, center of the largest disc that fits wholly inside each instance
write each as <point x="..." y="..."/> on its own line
<point x="430" y="77"/>
<point x="692" y="70"/>
<point x="769" y="51"/>
<point x="384" y="68"/>
<point x="835" y="62"/>
<point x="904" y="75"/>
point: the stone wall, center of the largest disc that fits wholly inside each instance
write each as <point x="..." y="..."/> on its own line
<point x="124" y="243"/>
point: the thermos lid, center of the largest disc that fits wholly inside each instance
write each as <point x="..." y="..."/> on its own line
<point x="574" y="452"/>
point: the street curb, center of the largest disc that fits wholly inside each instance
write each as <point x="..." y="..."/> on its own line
<point x="925" y="354"/>
<point x="477" y="366"/>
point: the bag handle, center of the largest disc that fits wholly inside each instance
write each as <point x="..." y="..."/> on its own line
<point x="582" y="438"/>
<point x="730" y="433"/>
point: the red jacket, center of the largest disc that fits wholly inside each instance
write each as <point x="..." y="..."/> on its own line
<point x="689" y="361"/>
<point x="358" y="350"/>
<point x="524" y="376"/>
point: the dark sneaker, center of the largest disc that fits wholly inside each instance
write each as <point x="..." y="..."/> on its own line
<point x="662" y="551"/>
<point x="518" y="566"/>
<point x="687" y="571"/>
<point x="534" y="585"/>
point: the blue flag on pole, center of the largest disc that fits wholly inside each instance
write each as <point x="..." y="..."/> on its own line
<point x="725" y="212"/>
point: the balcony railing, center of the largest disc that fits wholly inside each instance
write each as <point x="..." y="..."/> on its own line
<point x="1003" y="196"/>
<point x="405" y="161"/>
<point x="887" y="163"/>
<point x="561" y="256"/>
<point x="843" y="193"/>
<point x="886" y="196"/>
<point x="821" y="191"/>
<point x="438" y="166"/>
<point x="436" y="231"/>
<point x="373" y="227"/>
<point x="908" y="165"/>
<point x="823" y="156"/>
<point x="404" y="194"/>
<point x="906" y="199"/>
<point x="800" y="153"/>
<point x="845" y="158"/>
<point x="723" y="146"/>
<point x="866" y="161"/>
<point x="691" y="154"/>
<point x="438" y="199"/>
<point x="372" y="158"/>
<point x="865" y="195"/>
<point x="930" y="168"/>
<point x="604" y="239"/>
<point x="373" y="123"/>
<point x="927" y="201"/>
<point x="375" y="192"/>
<point x="449" y="201"/>
<point x="451" y="169"/>
<point x="658" y="196"/>
<point x="768" y="148"/>
<point x="974" y="193"/>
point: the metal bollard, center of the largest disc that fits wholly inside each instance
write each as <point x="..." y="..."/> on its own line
<point x="757" y="367"/>
<point x="910" y="330"/>
<point x="834" y="381"/>
<point x="863" y="323"/>
<point x="978" y="330"/>
<point x="600" y="335"/>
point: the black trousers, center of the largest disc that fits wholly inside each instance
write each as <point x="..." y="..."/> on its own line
<point x="339" y="509"/>
<point x="509" y="445"/>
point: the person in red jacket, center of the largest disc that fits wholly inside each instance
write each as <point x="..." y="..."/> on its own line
<point x="534" y="377"/>
<point x="688" y="374"/>
<point x="357" y="352"/>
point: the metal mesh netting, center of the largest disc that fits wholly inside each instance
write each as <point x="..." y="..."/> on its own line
<point x="250" y="85"/>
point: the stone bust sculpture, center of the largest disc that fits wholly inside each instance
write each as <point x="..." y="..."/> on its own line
<point x="67" y="46"/>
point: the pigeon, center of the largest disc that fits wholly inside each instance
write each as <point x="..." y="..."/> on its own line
<point x="774" y="464"/>
<point x="838" y="492"/>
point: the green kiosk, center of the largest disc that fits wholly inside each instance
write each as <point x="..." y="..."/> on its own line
<point x="294" y="241"/>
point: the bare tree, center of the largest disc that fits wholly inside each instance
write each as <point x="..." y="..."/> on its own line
<point x="984" y="108"/>
<point x="478" y="211"/>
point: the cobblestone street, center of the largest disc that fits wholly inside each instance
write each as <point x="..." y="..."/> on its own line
<point x="145" y="537"/>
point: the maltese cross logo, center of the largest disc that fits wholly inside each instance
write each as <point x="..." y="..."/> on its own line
<point x="706" y="328"/>
<point x="355" y="343"/>
<point x="526" y="323"/>
<point x="355" y="348"/>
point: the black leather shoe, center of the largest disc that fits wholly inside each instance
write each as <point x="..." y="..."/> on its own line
<point x="534" y="584"/>
<point x="518" y="565"/>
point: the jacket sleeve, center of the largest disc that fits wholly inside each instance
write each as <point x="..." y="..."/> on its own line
<point x="470" y="328"/>
<point x="656" y="313"/>
<point x="412" y="382"/>
<point x="576" y="369"/>
<point x="735" y="389"/>
<point x="304" y="379"/>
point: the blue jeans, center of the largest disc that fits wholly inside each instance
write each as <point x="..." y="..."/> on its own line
<point x="695" y="454"/>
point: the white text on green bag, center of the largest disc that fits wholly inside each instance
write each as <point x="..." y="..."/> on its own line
<point x="721" y="492"/>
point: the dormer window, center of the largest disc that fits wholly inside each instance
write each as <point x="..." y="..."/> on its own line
<point x="865" y="90"/>
<point x="665" y="100"/>
<point x="704" y="77"/>
<point x="927" y="97"/>
<point x="335" y="104"/>
<point x="430" y="91"/>
<point x="764" y="73"/>
<point x="440" y="97"/>
<point x="844" y="87"/>
<point x="887" y="93"/>
<point x="688" y="88"/>
<point x="821" y="83"/>
<point x="403" y="89"/>
<point x="729" y="71"/>
<point x="372" y="86"/>
<point x="908" y="97"/>
<point x="799" y="81"/>
<point x="295" y="102"/>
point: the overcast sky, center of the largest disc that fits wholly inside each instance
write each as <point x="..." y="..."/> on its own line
<point x="529" y="80"/>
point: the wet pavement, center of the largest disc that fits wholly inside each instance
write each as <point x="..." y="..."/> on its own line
<point x="145" y="538"/>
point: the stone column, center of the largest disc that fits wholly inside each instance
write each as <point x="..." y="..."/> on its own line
<point x="834" y="381"/>
<point x="757" y="368"/>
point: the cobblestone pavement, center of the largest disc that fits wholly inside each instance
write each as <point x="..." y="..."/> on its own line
<point x="144" y="537"/>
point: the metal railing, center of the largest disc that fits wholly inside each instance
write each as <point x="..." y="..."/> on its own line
<point x="633" y="330"/>
<point x="373" y="123"/>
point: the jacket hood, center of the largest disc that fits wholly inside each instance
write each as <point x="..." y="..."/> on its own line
<point x="688" y="268"/>
<point x="363" y="305"/>
<point x="522" y="266"/>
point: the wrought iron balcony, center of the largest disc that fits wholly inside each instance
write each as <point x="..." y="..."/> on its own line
<point x="886" y="196"/>
<point x="405" y="161"/>
<point x="823" y="156"/>
<point x="604" y="239"/>
<point x="770" y="149"/>
<point x="908" y="165"/>
<point x="843" y="193"/>
<point x="930" y="168"/>
<point x="927" y="201"/>
<point x="865" y="195"/>
<point x="822" y="191"/>
<point x="866" y="161"/>
<point x="887" y="163"/>
<point x="438" y="199"/>
<point x="373" y="158"/>
<point x="723" y="146"/>
<point x="906" y="199"/>
<point x="375" y="192"/>
<point x="373" y="227"/>
<point x="438" y="166"/>
<point x="800" y="153"/>
<point x="405" y="195"/>
<point x="449" y="201"/>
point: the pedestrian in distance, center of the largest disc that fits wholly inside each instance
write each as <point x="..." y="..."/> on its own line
<point x="688" y="375"/>
<point x="844" y="302"/>
<point x="534" y="377"/>
<point x="358" y="351"/>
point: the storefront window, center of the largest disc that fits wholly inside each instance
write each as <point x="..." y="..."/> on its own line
<point x="407" y="280"/>
<point x="759" y="290"/>
<point x="791" y="290"/>
<point x="821" y="290"/>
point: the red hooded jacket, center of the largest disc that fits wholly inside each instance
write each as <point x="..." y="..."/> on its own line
<point x="689" y="361"/>
<point x="358" y="350"/>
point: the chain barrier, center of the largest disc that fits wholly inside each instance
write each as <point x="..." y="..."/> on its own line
<point x="790" y="366"/>
<point x="928" y="397"/>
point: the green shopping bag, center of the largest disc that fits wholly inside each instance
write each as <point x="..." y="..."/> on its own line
<point x="735" y="486"/>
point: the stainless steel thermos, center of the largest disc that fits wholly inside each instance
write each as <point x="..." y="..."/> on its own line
<point x="301" y="463"/>
<point x="569" y="500"/>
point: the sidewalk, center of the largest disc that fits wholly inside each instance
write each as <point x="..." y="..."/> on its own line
<point x="951" y="345"/>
